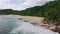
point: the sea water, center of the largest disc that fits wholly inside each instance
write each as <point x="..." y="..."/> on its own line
<point x="9" y="25"/>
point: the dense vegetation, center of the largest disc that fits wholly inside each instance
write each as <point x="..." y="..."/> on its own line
<point x="50" y="11"/>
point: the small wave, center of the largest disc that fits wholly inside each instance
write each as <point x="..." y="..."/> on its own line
<point x="16" y="26"/>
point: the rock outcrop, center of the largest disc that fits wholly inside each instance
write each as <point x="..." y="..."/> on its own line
<point x="51" y="25"/>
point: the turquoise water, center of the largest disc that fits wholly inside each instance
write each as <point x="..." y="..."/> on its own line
<point x="9" y="25"/>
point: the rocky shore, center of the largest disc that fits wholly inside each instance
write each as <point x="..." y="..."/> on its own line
<point x="54" y="26"/>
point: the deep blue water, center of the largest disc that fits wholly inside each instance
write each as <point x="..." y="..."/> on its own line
<point x="9" y="25"/>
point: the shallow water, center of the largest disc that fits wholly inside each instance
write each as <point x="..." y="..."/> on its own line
<point x="9" y="25"/>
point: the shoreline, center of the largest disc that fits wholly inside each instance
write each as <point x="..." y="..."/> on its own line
<point x="37" y="20"/>
<point x="27" y="18"/>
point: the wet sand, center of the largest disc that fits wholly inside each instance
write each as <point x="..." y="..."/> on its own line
<point x="37" y="20"/>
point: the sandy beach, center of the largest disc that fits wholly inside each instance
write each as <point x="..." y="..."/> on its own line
<point x="29" y="18"/>
<point x="32" y="19"/>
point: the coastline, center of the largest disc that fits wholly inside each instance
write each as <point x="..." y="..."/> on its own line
<point x="28" y="18"/>
<point x="37" y="20"/>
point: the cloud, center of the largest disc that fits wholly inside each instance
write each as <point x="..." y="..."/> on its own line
<point x="35" y="2"/>
<point x="29" y="2"/>
<point x="6" y="4"/>
<point x="4" y="1"/>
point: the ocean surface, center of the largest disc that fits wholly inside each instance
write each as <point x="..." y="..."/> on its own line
<point x="9" y="25"/>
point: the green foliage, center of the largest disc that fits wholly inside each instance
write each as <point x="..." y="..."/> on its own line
<point x="9" y="11"/>
<point x="50" y="11"/>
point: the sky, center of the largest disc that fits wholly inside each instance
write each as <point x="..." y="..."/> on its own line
<point x="21" y="4"/>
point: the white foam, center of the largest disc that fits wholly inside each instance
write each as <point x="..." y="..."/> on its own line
<point x="18" y="26"/>
<point x="25" y="28"/>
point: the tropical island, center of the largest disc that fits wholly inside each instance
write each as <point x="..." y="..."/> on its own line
<point x="50" y="11"/>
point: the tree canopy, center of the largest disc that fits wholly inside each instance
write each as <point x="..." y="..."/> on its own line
<point x="50" y="10"/>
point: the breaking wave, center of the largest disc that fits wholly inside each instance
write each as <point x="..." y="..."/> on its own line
<point x="9" y="25"/>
